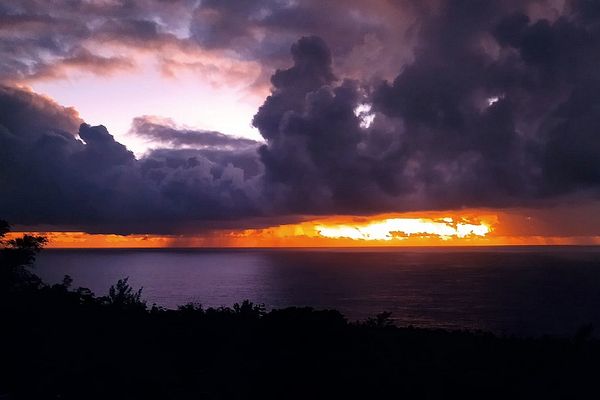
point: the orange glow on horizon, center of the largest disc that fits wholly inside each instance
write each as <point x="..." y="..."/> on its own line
<point x="464" y="228"/>
<point x="402" y="228"/>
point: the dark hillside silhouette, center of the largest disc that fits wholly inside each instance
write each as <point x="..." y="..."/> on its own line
<point x="64" y="343"/>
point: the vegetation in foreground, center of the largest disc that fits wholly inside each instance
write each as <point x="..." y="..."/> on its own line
<point x="64" y="343"/>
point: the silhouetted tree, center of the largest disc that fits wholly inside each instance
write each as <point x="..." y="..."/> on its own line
<point x="15" y="256"/>
<point x="122" y="295"/>
<point x="191" y="310"/>
<point x="381" y="320"/>
<point x="249" y="310"/>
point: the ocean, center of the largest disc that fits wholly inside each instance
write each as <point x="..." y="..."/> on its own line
<point x="528" y="291"/>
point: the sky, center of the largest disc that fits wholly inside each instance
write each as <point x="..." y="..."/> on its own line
<point x="155" y="123"/>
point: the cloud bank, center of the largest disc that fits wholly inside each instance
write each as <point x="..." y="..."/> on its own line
<point x="41" y="39"/>
<point x="55" y="171"/>
<point x="498" y="105"/>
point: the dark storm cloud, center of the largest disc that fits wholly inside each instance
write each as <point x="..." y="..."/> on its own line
<point x="232" y="24"/>
<point x="176" y="144"/>
<point x="38" y="36"/>
<point x="165" y="134"/>
<point x="500" y="106"/>
<point x="312" y="157"/>
<point x="497" y="109"/>
<point x="48" y="175"/>
<point x="356" y="30"/>
<point x="27" y="41"/>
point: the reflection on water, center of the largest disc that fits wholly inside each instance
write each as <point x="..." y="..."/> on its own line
<point x="509" y="290"/>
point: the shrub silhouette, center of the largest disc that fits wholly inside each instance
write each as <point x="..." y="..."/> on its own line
<point x="61" y="342"/>
<point x="381" y="320"/>
<point x="15" y="256"/>
<point x="249" y="310"/>
<point x="122" y="295"/>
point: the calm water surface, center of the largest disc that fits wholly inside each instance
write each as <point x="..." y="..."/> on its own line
<point x="529" y="290"/>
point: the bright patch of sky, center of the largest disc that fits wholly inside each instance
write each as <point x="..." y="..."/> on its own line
<point x="113" y="101"/>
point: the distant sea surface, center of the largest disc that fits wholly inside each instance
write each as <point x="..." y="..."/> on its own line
<point x="508" y="290"/>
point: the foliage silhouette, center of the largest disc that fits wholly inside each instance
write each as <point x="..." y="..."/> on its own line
<point x="60" y="342"/>
<point x="381" y="320"/>
<point x="122" y="295"/>
<point x="15" y="255"/>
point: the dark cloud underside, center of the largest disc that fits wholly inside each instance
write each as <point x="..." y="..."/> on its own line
<point x="499" y="106"/>
<point x="90" y="181"/>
